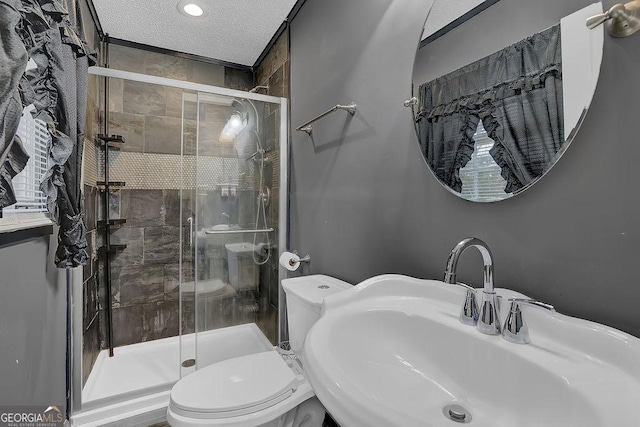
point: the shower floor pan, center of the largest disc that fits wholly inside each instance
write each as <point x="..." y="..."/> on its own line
<point x="152" y="367"/>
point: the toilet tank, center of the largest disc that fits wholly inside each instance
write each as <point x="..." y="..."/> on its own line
<point x="243" y="271"/>
<point x="304" y="300"/>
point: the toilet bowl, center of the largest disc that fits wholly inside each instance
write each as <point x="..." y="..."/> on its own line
<point x="266" y="389"/>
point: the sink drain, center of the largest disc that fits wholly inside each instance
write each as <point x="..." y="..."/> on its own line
<point x="457" y="413"/>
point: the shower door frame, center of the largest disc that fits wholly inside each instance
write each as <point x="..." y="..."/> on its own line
<point x="283" y="217"/>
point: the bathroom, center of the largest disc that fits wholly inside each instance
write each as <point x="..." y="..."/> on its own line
<point x="360" y="200"/>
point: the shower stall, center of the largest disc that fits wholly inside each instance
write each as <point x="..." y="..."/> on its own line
<point x="194" y="222"/>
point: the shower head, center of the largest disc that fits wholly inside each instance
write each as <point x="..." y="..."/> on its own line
<point x="249" y="113"/>
<point x="238" y="105"/>
<point x="233" y="127"/>
<point x="235" y="122"/>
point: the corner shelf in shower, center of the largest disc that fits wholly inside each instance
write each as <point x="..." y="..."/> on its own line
<point x="105" y="185"/>
<point x="112" y="222"/>
<point x="107" y="144"/>
<point x="112" y="249"/>
<point x="113" y="141"/>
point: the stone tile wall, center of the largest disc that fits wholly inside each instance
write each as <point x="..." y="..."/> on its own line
<point x="144" y="276"/>
<point x="91" y="340"/>
<point x="274" y="68"/>
<point x="273" y="71"/>
<point x="172" y="67"/>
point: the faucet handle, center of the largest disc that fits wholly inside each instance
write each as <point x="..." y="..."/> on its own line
<point x="515" y="329"/>
<point x="528" y="301"/>
<point x="469" y="313"/>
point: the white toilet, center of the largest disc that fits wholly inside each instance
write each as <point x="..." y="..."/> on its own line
<point x="264" y="389"/>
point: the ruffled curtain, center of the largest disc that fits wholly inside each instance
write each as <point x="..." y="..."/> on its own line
<point x="50" y="33"/>
<point x="516" y="92"/>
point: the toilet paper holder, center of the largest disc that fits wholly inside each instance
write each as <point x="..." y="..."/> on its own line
<point x="306" y="258"/>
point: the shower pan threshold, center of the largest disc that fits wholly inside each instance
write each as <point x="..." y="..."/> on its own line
<point x="153" y="367"/>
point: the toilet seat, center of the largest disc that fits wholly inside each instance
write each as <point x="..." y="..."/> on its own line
<point x="234" y="387"/>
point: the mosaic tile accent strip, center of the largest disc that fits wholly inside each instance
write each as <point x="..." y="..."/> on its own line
<point x="146" y="171"/>
<point x="90" y="163"/>
<point x="274" y="158"/>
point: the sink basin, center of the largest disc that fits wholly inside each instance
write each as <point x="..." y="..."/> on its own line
<point x="392" y="352"/>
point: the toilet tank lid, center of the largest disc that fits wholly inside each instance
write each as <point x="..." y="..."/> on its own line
<point x="313" y="289"/>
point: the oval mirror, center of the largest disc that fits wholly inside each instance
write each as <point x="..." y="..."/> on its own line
<point x="500" y="89"/>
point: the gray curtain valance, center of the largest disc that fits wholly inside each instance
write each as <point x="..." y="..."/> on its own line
<point x="516" y="92"/>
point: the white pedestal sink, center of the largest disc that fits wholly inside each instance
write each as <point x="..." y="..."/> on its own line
<point x="392" y="352"/>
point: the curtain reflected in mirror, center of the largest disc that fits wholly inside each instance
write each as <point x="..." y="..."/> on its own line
<point x="516" y="93"/>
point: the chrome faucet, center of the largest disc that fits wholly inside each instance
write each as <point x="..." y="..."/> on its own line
<point x="488" y="320"/>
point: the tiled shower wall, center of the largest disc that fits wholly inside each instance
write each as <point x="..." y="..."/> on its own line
<point x="273" y="71"/>
<point x="144" y="276"/>
<point x="91" y="339"/>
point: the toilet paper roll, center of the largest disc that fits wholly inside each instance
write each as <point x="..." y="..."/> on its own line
<point x="290" y="261"/>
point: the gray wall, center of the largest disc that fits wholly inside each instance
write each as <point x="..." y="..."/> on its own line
<point x="32" y="325"/>
<point x="363" y="202"/>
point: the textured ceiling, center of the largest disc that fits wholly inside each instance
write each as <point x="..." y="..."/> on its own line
<point x="235" y="31"/>
<point x="444" y="12"/>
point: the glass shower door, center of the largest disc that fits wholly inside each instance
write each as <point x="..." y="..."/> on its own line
<point x="231" y="179"/>
<point x="188" y="246"/>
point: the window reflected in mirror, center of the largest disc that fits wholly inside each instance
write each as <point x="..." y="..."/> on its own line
<point x="481" y="177"/>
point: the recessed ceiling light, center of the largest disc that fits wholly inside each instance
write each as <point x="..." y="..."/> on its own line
<point x="191" y="9"/>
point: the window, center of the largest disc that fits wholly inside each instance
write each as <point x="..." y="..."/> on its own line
<point x="35" y="138"/>
<point x="481" y="178"/>
<point x="31" y="203"/>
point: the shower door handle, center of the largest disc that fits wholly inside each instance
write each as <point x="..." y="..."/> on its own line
<point x="190" y="221"/>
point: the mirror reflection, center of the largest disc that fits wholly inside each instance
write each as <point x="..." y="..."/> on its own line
<point x="490" y="128"/>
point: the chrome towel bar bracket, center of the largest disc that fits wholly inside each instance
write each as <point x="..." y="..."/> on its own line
<point x="350" y="108"/>
<point x="622" y="20"/>
<point x="410" y="102"/>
